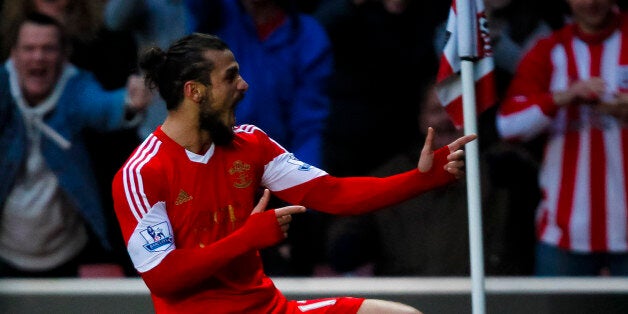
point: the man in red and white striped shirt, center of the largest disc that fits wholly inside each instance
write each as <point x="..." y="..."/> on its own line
<point x="185" y="199"/>
<point x="573" y="87"/>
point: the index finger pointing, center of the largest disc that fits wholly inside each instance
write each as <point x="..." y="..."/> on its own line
<point x="461" y="141"/>
<point x="289" y="210"/>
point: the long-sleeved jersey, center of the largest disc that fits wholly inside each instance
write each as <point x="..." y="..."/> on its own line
<point x="186" y="218"/>
<point x="585" y="166"/>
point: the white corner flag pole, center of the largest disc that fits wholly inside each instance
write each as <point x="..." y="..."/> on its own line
<point x="466" y="42"/>
<point x="473" y="190"/>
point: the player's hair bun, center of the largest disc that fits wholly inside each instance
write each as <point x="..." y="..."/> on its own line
<point x="151" y="63"/>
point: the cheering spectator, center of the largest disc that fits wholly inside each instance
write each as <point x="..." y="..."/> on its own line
<point x="571" y="88"/>
<point x="52" y="218"/>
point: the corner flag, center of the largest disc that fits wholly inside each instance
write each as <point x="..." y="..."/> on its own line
<point x="468" y="43"/>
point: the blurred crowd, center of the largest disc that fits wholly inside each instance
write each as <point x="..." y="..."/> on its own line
<point x="347" y="86"/>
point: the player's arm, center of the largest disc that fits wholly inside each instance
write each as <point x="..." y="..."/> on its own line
<point x="183" y="270"/>
<point x="357" y="195"/>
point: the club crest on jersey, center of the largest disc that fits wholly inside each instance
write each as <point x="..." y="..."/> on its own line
<point x="241" y="172"/>
<point x="158" y="237"/>
<point x="302" y="166"/>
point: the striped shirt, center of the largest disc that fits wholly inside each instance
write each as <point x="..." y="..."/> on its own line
<point x="584" y="171"/>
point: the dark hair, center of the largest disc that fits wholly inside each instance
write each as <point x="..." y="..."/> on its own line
<point x="184" y="61"/>
<point x="39" y="19"/>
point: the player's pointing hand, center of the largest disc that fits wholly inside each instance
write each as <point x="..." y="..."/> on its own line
<point x="455" y="164"/>
<point x="283" y="214"/>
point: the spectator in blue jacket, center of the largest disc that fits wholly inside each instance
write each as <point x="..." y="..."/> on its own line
<point x="50" y="210"/>
<point x="287" y="59"/>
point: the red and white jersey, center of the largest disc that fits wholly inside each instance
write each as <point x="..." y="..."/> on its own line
<point x="175" y="206"/>
<point x="585" y="167"/>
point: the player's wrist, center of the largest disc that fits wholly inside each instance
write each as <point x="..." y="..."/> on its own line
<point x="261" y="230"/>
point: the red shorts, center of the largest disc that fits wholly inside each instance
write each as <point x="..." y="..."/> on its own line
<point x="325" y="306"/>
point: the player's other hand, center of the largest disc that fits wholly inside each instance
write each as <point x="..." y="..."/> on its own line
<point x="455" y="164"/>
<point x="283" y="214"/>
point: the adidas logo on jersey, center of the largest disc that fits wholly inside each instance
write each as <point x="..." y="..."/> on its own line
<point x="183" y="197"/>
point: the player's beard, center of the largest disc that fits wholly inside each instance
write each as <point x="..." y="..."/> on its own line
<point x="209" y="121"/>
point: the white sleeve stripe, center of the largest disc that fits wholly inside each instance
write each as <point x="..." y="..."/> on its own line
<point x="246" y="128"/>
<point x="250" y="128"/>
<point x="125" y="175"/>
<point x="140" y="180"/>
<point x="128" y="178"/>
<point x="285" y="171"/>
<point x="133" y="187"/>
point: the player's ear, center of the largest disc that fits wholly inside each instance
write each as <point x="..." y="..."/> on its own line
<point x="193" y="90"/>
